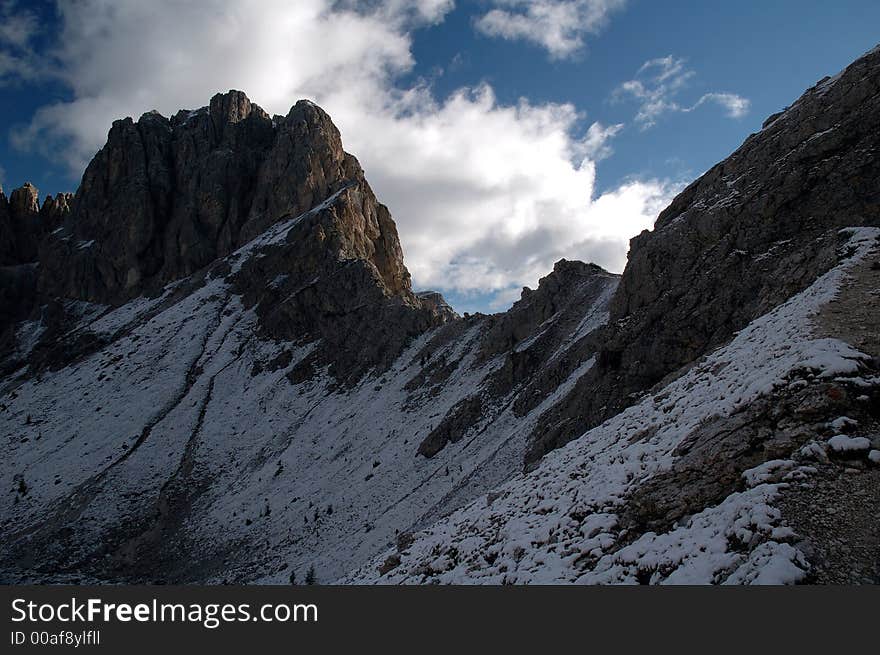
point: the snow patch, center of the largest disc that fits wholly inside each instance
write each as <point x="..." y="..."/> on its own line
<point x="841" y="443"/>
<point x="770" y="470"/>
<point x="842" y="423"/>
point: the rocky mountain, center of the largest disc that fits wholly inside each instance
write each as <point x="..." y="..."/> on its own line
<point x="191" y="189"/>
<point x="218" y="329"/>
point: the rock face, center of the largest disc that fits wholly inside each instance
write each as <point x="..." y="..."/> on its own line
<point x="752" y="231"/>
<point x="54" y="211"/>
<point x="534" y="307"/>
<point x="166" y="197"/>
<point x="535" y="347"/>
<point x="338" y="273"/>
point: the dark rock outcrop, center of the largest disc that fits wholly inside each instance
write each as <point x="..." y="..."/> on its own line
<point x="24" y="223"/>
<point x="436" y="301"/>
<point x="541" y="341"/>
<point x="752" y="231"/>
<point x="337" y="275"/>
<point x="54" y="211"/>
<point x="555" y="291"/>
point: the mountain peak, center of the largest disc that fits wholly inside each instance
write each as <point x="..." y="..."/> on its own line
<point x="750" y="232"/>
<point x="177" y="199"/>
<point x="191" y="190"/>
<point x="25" y="199"/>
<point x="233" y="107"/>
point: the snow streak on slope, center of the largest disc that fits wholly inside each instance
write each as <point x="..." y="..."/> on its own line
<point x="560" y="523"/>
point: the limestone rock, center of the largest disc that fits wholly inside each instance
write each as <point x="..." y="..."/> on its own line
<point x="435" y="301"/>
<point x="25" y="200"/>
<point x="534" y="307"/>
<point x="541" y="341"/>
<point x="166" y="197"/>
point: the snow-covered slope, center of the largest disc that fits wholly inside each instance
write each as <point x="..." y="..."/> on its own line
<point x="563" y="523"/>
<point x="183" y="450"/>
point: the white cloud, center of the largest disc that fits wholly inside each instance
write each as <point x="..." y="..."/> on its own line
<point x="486" y="196"/>
<point x="18" y="27"/>
<point x="659" y="81"/>
<point x="596" y="142"/>
<point x="489" y="196"/>
<point x="418" y="11"/>
<point x="735" y="105"/>
<point x="559" y="26"/>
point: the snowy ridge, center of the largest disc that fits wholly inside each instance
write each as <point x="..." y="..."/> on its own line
<point x="559" y="524"/>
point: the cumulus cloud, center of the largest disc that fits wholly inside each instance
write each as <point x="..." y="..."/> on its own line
<point x="497" y="194"/>
<point x="559" y="26"/>
<point x="486" y="195"/>
<point x="659" y="81"/>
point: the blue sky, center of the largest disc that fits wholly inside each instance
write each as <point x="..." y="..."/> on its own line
<point x="768" y="52"/>
<point x="511" y="182"/>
